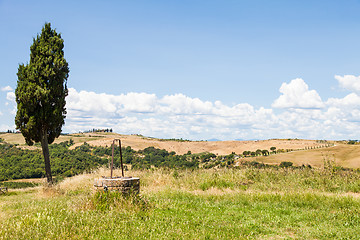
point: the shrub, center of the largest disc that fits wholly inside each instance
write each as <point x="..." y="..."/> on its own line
<point x="286" y="164"/>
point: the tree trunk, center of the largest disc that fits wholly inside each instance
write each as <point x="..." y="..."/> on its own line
<point x="45" y="149"/>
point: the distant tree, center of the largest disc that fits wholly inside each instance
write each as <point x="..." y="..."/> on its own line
<point x="247" y="153"/>
<point x="258" y="152"/>
<point x="265" y="152"/>
<point x="280" y="151"/>
<point x="273" y="149"/>
<point x="41" y="91"/>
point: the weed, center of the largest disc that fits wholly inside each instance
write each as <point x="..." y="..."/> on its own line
<point x="329" y="162"/>
<point x="109" y="200"/>
<point x="176" y="174"/>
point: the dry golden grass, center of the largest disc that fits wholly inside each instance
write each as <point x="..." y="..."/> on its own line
<point x="217" y="147"/>
<point x="343" y="155"/>
<point x="77" y="182"/>
<point x="13" y="138"/>
<point x="217" y="182"/>
<point x="32" y="180"/>
<point x="79" y="139"/>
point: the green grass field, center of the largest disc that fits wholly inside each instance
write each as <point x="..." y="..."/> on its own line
<point x="246" y="203"/>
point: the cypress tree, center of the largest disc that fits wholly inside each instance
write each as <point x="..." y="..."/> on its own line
<point x="41" y="91"/>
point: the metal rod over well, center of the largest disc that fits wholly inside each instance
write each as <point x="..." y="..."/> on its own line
<point x="112" y="159"/>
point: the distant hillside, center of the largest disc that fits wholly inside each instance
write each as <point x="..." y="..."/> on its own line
<point x="312" y="151"/>
<point x="344" y="155"/>
<point x="138" y="142"/>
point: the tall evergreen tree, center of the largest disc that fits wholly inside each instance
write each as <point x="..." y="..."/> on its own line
<point x="41" y="91"/>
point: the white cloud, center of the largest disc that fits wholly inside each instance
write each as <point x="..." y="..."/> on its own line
<point x="11" y="97"/>
<point x="351" y="100"/>
<point x="4" y="127"/>
<point x="296" y="94"/>
<point x="181" y="104"/>
<point x="106" y="104"/>
<point x="303" y="115"/>
<point x="6" y="89"/>
<point x="170" y="116"/>
<point x="349" y="82"/>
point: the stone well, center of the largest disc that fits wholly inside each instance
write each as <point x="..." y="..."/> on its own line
<point x="125" y="185"/>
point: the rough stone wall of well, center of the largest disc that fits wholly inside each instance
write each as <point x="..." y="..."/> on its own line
<point x="124" y="185"/>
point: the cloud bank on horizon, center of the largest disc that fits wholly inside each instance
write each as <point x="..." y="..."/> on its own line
<point x="298" y="112"/>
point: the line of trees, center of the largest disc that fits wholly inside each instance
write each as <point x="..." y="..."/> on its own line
<point x="95" y="130"/>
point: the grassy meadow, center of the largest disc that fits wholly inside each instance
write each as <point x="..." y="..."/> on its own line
<point x="244" y="203"/>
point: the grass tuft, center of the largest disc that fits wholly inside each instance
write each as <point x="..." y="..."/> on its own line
<point x="107" y="200"/>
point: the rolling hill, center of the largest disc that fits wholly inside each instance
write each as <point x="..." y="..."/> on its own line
<point x="138" y="142"/>
<point x="310" y="151"/>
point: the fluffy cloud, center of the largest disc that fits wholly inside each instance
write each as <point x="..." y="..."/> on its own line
<point x="349" y="82"/>
<point x="6" y="89"/>
<point x="300" y="113"/>
<point x="303" y="115"/>
<point x="11" y="97"/>
<point x="4" y="127"/>
<point x="170" y="116"/>
<point x="181" y="104"/>
<point x="351" y="100"/>
<point x="109" y="105"/>
<point x="296" y="94"/>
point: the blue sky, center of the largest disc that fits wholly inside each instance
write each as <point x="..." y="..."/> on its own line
<point x="197" y="69"/>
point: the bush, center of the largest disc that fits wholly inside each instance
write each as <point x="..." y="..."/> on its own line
<point x="286" y="164"/>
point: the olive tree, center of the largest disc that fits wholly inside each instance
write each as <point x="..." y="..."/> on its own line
<point x="41" y="91"/>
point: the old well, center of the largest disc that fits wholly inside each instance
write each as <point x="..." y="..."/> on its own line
<point x="125" y="185"/>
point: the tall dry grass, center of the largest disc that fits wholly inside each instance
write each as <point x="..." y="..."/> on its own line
<point x="328" y="180"/>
